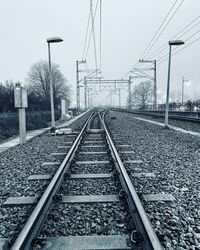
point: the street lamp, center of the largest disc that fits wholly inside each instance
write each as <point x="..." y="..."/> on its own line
<point x="52" y="40"/>
<point x="176" y="43"/>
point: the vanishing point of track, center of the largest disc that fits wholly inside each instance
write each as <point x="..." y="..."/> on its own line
<point x="141" y="235"/>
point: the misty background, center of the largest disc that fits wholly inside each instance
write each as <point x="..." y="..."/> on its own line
<point x="127" y="28"/>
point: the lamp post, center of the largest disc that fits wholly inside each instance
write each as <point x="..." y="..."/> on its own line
<point x="176" y="43"/>
<point x="52" y="40"/>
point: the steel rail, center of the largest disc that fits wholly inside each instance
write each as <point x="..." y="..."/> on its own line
<point x="141" y="220"/>
<point x="173" y="117"/>
<point x="36" y="219"/>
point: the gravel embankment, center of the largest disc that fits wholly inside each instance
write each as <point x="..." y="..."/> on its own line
<point x="190" y="126"/>
<point x="17" y="164"/>
<point x="174" y="159"/>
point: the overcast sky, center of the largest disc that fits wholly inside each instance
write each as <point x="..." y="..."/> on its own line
<point x="127" y="28"/>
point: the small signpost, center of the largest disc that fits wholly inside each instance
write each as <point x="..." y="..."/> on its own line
<point x="21" y="102"/>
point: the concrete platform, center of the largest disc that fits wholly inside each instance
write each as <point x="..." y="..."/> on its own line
<point x="91" y="162"/>
<point x="158" y="197"/>
<point x="88" y="242"/>
<point x="90" y="198"/>
<point x="90" y="176"/>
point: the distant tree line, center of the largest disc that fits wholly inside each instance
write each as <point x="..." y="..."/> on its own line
<point x="142" y="98"/>
<point x="38" y="88"/>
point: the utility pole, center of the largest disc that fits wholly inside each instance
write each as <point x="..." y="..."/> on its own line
<point x="85" y="92"/>
<point x="182" y="90"/>
<point x="129" y="93"/>
<point x="155" y="81"/>
<point x="77" y="85"/>
<point x="119" y="98"/>
<point x="77" y="88"/>
<point x="183" y="87"/>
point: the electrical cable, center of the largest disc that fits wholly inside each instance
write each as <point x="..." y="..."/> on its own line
<point x="86" y="36"/>
<point x="164" y="28"/>
<point x="158" y="29"/>
<point x="180" y="49"/>
<point x="164" y="46"/>
<point x="144" y="53"/>
<point x="93" y="31"/>
<point x="100" y="36"/>
<point x="177" y="47"/>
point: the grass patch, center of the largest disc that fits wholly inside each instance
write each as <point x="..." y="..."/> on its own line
<point x="9" y="122"/>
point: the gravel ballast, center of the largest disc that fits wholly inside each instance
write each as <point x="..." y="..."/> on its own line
<point x="17" y="164"/>
<point x="190" y="126"/>
<point x="98" y="219"/>
<point x="174" y="159"/>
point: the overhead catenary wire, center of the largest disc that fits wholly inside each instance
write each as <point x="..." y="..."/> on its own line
<point x="159" y="28"/>
<point x="177" y="36"/>
<point x="86" y="36"/>
<point x="100" y="34"/>
<point x="93" y="32"/>
<point x="163" y="29"/>
<point x="178" y="47"/>
<point x="88" y="45"/>
<point x="180" y="50"/>
<point x="150" y="43"/>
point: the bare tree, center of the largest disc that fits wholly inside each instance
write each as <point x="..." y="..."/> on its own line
<point x="38" y="81"/>
<point x="143" y="94"/>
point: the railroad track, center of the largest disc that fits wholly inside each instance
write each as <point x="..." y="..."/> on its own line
<point x="159" y="115"/>
<point x="90" y="202"/>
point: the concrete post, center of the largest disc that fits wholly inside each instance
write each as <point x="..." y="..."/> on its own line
<point x="22" y="125"/>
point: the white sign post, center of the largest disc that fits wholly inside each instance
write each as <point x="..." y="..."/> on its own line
<point x="21" y="103"/>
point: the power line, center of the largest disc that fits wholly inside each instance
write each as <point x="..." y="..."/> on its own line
<point x="93" y="31"/>
<point x="177" y="47"/>
<point x="164" y="28"/>
<point x="159" y="29"/>
<point x="100" y="52"/>
<point x="164" y="46"/>
<point x="150" y="43"/>
<point x="181" y="49"/>
<point x="86" y="35"/>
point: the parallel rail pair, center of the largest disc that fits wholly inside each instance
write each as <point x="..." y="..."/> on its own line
<point x="34" y="223"/>
<point x="159" y="115"/>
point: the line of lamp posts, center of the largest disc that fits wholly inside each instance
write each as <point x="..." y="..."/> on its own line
<point x="21" y="102"/>
<point x="57" y="39"/>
